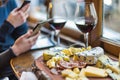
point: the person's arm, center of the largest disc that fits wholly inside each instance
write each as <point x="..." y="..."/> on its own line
<point x="19" y="21"/>
<point x="21" y="45"/>
<point x="5" y="29"/>
<point x="5" y="58"/>
<point x="20" y="31"/>
<point x="24" y="27"/>
<point x="15" y="19"/>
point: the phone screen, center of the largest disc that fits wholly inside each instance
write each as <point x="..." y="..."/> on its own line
<point x="38" y="26"/>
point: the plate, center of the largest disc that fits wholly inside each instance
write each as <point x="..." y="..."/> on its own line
<point x="41" y="65"/>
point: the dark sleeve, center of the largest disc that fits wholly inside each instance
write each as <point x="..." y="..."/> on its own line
<point x="20" y="31"/>
<point x="5" y="29"/>
<point x="5" y="58"/>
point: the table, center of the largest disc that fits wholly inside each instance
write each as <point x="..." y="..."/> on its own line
<point x="24" y="62"/>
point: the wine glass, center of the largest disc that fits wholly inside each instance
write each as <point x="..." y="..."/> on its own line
<point x="85" y="18"/>
<point x="57" y="12"/>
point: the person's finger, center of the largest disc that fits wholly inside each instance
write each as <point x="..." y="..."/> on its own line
<point x="21" y="15"/>
<point x="15" y="10"/>
<point x="25" y="8"/>
<point x="28" y="9"/>
<point x="30" y="41"/>
<point x="28" y="34"/>
<point x="34" y="38"/>
<point x="33" y="43"/>
<point x="26" y="16"/>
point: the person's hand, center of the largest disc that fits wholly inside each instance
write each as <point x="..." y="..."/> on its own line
<point x="18" y="17"/>
<point x="24" y="43"/>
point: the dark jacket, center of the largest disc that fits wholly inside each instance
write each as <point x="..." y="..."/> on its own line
<point x="5" y="58"/>
<point x="8" y="34"/>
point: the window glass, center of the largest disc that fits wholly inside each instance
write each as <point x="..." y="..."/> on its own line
<point x="111" y="20"/>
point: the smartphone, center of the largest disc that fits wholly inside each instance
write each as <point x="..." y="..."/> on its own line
<point x="38" y="26"/>
<point x="24" y="3"/>
<point x="36" y="29"/>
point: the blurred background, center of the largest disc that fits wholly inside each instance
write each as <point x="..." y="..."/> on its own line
<point x="111" y="15"/>
<point x="111" y="20"/>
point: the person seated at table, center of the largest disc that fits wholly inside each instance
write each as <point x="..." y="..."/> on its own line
<point x="12" y="25"/>
<point x="21" y="45"/>
<point x="14" y="22"/>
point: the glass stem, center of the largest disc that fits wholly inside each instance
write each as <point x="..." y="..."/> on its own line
<point x="86" y="39"/>
<point x="58" y="38"/>
<point x="52" y="36"/>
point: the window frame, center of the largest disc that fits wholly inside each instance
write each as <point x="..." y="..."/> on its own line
<point x="96" y="38"/>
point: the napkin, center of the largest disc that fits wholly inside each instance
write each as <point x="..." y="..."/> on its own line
<point x="28" y="76"/>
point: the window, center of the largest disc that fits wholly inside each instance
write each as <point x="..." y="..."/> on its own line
<point x="111" y="17"/>
<point x="99" y="37"/>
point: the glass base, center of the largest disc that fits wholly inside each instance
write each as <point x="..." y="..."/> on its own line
<point x="57" y="48"/>
<point x="77" y="45"/>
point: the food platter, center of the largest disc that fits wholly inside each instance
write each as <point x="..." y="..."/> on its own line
<point x="55" y="73"/>
<point x="43" y="67"/>
<point x="22" y="63"/>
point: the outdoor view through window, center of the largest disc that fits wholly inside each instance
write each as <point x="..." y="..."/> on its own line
<point x="111" y="20"/>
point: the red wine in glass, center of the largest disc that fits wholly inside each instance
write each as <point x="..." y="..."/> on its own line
<point x="58" y="23"/>
<point x="86" y="19"/>
<point x="86" y="24"/>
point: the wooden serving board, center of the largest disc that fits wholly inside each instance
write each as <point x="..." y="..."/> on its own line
<point x="42" y="66"/>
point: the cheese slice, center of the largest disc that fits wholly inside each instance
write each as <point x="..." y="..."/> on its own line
<point x="91" y="56"/>
<point x="82" y="78"/>
<point x="48" y="54"/>
<point x="95" y="72"/>
<point x="82" y="75"/>
<point x="82" y="72"/>
<point x="105" y="62"/>
<point x="113" y="68"/>
<point x="113" y="75"/>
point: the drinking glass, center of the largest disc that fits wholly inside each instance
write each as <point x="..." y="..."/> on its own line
<point x="85" y="18"/>
<point x="57" y="12"/>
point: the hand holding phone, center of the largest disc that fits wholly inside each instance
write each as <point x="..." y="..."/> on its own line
<point x="36" y="29"/>
<point x="24" y="3"/>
